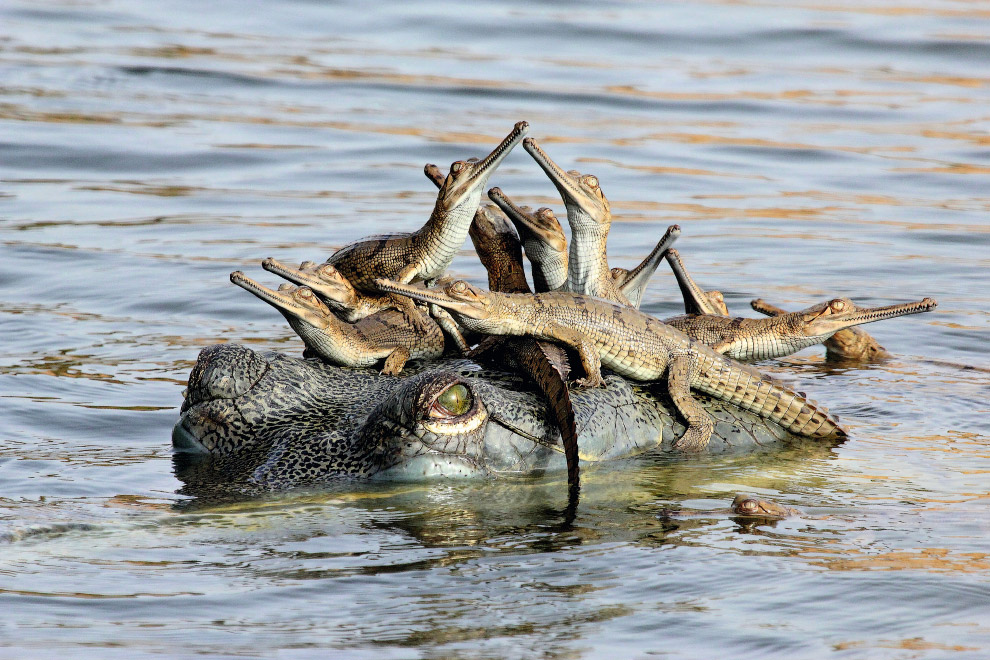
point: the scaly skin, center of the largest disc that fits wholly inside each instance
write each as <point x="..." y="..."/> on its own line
<point x="632" y="283"/>
<point x="634" y="345"/>
<point x="381" y="336"/>
<point x="542" y="238"/>
<point x="544" y="363"/>
<point x="332" y="288"/>
<point x="590" y="217"/>
<point x="499" y="250"/>
<point x="426" y="253"/>
<point x="254" y="421"/>
<point x="847" y="344"/>
<point x="778" y="336"/>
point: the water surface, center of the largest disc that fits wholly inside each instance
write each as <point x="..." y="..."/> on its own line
<point x="807" y="150"/>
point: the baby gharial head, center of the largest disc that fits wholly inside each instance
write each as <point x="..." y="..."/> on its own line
<point x="579" y="191"/>
<point x="467" y="302"/>
<point x="466" y="179"/>
<point x="295" y="303"/>
<point x="837" y="314"/>
<point x="328" y="283"/>
<point x="540" y="226"/>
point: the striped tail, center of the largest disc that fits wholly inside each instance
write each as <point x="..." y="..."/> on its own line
<point x="768" y="398"/>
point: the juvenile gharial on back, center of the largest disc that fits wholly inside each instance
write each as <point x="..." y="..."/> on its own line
<point x="634" y="345"/>
<point x="778" y="336"/>
<point x="385" y="335"/>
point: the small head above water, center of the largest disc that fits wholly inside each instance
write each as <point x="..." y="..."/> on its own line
<point x="581" y="193"/>
<point x="747" y="506"/>
<point x="541" y="225"/>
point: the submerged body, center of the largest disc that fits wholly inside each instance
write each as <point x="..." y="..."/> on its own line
<point x="253" y="420"/>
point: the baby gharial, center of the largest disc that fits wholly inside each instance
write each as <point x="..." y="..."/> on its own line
<point x="386" y="335"/>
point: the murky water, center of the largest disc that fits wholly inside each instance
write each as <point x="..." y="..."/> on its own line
<point x="807" y="150"/>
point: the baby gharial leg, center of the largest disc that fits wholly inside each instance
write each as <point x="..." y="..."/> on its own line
<point x="395" y="361"/>
<point x="700" y="426"/>
<point x="407" y="306"/>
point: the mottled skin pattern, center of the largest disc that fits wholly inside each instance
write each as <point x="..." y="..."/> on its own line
<point x="333" y="289"/>
<point x="384" y="335"/>
<point x="848" y="344"/>
<point x="255" y="421"/>
<point x="632" y="283"/>
<point x="542" y="238"/>
<point x="544" y="363"/>
<point x="634" y="345"/>
<point x="590" y="218"/>
<point x="426" y="254"/>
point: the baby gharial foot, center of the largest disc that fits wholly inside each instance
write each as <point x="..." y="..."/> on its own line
<point x="591" y="380"/>
<point x="395" y="361"/>
<point x="416" y="317"/>
<point x="695" y="438"/>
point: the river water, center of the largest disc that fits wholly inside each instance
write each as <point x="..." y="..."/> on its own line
<point x="807" y="150"/>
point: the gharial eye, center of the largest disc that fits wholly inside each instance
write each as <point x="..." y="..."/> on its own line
<point x="457" y="166"/>
<point x="747" y="506"/>
<point x="453" y="402"/>
<point x="591" y="181"/>
<point x="460" y="286"/>
<point x="838" y="305"/>
<point x="306" y="294"/>
<point x="327" y="270"/>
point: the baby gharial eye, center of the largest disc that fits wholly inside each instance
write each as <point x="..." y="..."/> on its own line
<point x="305" y="294"/>
<point x="454" y="401"/>
<point x="748" y="506"/>
<point x="837" y="305"/>
<point x="457" y="166"/>
<point x="460" y="286"/>
<point x="591" y="181"/>
<point x="327" y="270"/>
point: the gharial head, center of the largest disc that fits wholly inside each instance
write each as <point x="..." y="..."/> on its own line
<point x="295" y="303"/>
<point x="466" y="301"/>
<point x="839" y="313"/>
<point x="541" y="225"/>
<point x="580" y="192"/>
<point x="328" y="282"/>
<point x="468" y="178"/>
<point x="267" y="420"/>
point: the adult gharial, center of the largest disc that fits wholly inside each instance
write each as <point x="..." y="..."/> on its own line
<point x="262" y="420"/>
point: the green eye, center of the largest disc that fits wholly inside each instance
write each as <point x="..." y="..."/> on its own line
<point x="455" y="400"/>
